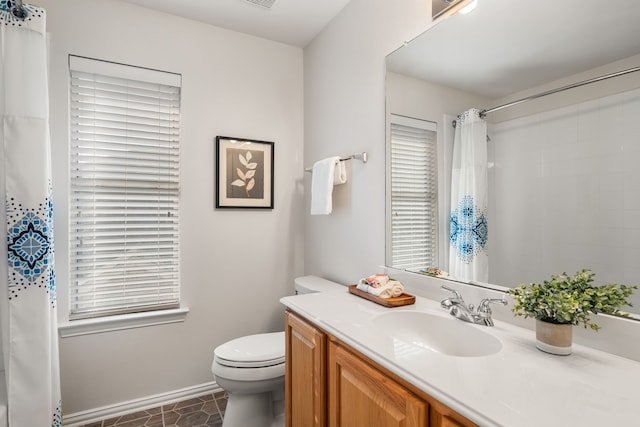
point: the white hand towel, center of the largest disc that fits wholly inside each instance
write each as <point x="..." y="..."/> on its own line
<point x="379" y="291"/>
<point x="396" y="288"/>
<point x="323" y="175"/>
<point x="340" y="174"/>
<point x="384" y="291"/>
<point x="362" y="286"/>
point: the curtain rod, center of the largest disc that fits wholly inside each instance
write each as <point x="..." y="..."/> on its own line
<point x="560" y="89"/>
<point x="483" y="113"/>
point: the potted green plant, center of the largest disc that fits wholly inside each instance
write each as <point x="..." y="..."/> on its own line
<point x="564" y="301"/>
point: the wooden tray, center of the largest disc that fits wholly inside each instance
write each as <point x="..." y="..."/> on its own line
<point x="402" y="299"/>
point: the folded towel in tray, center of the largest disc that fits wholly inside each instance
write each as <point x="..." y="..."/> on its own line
<point x="381" y="286"/>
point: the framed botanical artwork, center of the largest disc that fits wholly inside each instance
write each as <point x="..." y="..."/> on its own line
<point x="244" y="173"/>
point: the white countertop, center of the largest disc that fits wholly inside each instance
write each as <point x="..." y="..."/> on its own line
<point x="519" y="386"/>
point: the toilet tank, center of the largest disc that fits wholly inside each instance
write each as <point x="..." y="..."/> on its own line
<point x="312" y="284"/>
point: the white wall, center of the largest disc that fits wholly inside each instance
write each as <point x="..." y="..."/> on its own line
<point x="235" y="265"/>
<point x="344" y="82"/>
<point x="420" y="99"/>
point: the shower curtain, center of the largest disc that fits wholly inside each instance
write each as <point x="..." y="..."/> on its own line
<point x="27" y="278"/>
<point x="468" y="230"/>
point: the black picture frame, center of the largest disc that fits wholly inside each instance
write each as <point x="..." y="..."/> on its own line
<point x="244" y="173"/>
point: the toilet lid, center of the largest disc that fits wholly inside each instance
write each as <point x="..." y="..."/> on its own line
<point x="252" y="351"/>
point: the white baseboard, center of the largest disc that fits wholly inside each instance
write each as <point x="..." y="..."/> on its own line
<point x="123" y="408"/>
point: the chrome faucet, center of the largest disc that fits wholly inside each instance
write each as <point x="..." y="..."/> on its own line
<point x="451" y="302"/>
<point x="460" y="310"/>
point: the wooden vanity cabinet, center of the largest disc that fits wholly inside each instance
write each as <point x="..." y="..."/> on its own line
<point x="438" y="419"/>
<point x="330" y="384"/>
<point x="360" y="395"/>
<point x="305" y="375"/>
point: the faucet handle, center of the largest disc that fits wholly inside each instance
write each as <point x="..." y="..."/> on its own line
<point x="449" y="303"/>
<point x="484" y="304"/>
<point x="484" y="311"/>
<point x="453" y="291"/>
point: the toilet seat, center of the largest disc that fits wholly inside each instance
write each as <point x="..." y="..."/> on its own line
<point x="252" y="351"/>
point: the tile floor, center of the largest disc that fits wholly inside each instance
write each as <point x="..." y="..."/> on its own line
<point x="204" y="411"/>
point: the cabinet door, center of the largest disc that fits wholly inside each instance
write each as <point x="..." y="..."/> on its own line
<point x="442" y="416"/>
<point x="305" y="377"/>
<point x="360" y="395"/>
<point x="449" y="422"/>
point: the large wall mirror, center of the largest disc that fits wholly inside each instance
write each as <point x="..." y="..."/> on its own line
<point x="563" y="169"/>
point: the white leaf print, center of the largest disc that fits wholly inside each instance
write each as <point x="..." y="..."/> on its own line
<point x="252" y="165"/>
<point x="242" y="160"/>
<point x="250" y="174"/>
<point x="238" y="183"/>
<point x="251" y="184"/>
<point x="249" y="155"/>
<point x="241" y="174"/>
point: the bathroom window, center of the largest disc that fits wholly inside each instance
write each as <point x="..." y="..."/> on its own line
<point x="124" y="189"/>
<point x="414" y="194"/>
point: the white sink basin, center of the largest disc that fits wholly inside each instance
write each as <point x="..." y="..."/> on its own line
<point x="444" y="335"/>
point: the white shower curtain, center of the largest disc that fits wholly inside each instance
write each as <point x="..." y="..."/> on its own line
<point x="468" y="231"/>
<point x="27" y="296"/>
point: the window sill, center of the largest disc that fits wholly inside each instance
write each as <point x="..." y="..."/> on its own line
<point x="117" y="323"/>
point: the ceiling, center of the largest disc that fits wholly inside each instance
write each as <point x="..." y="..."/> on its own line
<point x="294" y="22"/>
<point x="505" y="46"/>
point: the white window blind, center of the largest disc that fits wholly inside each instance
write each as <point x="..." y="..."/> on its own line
<point x="414" y="194"/>
<point x="124" y="188"/>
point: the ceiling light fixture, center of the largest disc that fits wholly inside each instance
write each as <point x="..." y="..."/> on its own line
<point x="468" y="8"/>
<point x="441" y="9"/>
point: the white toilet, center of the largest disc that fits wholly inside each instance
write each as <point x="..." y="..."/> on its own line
<point x="251" y="370"/>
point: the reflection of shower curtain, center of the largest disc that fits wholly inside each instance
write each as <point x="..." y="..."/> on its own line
<point x="27" y="280"/>
<point x="468" y="258"/>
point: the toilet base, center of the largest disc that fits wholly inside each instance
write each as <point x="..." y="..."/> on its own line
<point x="255" y="410"/>
<point x="278" y="421"/>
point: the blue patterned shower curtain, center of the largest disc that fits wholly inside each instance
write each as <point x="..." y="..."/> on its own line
<point x="27" y="295"/>
<point x="468" y="231"/>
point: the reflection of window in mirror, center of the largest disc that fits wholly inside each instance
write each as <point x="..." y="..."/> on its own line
<point x="413" y="243"/>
